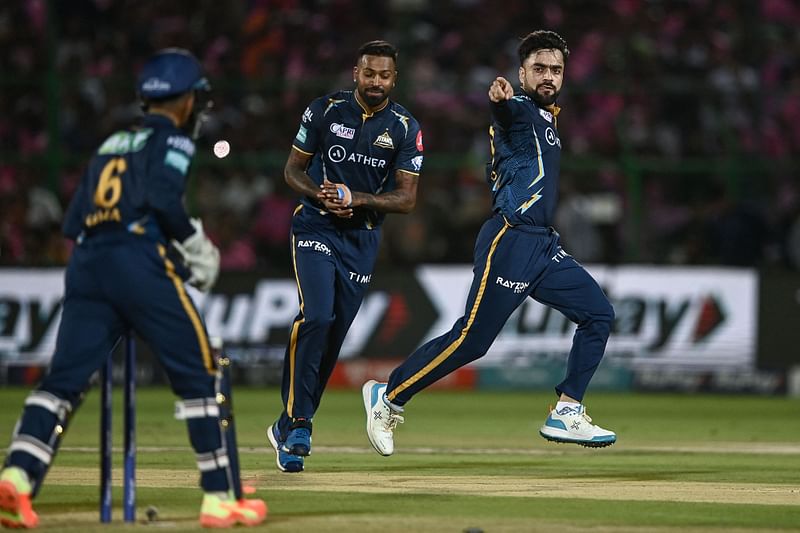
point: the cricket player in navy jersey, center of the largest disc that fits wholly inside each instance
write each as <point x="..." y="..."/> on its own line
<point x="517" y="256"/>
<point x="127" y="211"/>
<point x="356" y="157"/>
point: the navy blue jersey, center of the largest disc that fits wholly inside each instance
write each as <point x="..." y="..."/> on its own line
<point x="135" y="182"/>
<point x="526" y="153"/>
<point x="362" y="150"/>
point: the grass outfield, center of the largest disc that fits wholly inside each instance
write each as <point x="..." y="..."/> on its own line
<point x="462" y="460"/>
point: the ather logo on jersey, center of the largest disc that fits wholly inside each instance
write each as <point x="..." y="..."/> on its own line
<point x="551" y="137"/>
<point x="337" y="153"/>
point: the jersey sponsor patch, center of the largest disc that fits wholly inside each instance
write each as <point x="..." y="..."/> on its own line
<point x="181" y="143"/>
<point x="302" y="133"/>
<point x="384" y="140"/>
<point x="340" y="130"/>
<point x="314" y="245"/>
<point x="177" y="160"/>
<point x="307" y="115"/>
<point x="337" y="153"/>
<point x="551" y="137"/>
<point x="419" y="141"/>
<point x="517" y="286"/>
<point x="124" y="142"/>
<point x="560" y="255"/>
<point x="360" y="278"/>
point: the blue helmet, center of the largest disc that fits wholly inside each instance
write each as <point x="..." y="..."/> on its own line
<point x="171" y="72"/>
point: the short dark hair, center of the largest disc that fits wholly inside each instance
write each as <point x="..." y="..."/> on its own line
<point x="542" y="40"/>
<point x="378" y="48"/>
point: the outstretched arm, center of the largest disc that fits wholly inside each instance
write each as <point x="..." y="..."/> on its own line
<point x="500" y="92"/>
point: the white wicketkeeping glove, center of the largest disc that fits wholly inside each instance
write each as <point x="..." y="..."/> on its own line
<point x="200" y="256"/>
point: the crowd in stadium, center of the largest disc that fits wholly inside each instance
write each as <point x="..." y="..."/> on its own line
<point x="680" y="122"/>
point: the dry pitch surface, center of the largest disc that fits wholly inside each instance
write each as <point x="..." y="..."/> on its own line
<point x="595" y="488"/>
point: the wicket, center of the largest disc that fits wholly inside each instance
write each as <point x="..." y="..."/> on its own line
<point x="129" y="421"/>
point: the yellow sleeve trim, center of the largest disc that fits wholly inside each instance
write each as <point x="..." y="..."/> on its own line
<point x="302" y="151"/>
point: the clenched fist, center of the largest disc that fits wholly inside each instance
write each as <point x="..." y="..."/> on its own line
<point x="500" y="90"/>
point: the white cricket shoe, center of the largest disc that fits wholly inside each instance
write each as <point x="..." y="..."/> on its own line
<point x="381" y="419"/>
<point x="574" y="426"/>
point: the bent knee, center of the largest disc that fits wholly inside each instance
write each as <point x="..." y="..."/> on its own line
<point x="315" y="321"/>
<point x="606" y="313"/>
<point x="600" y="316"/>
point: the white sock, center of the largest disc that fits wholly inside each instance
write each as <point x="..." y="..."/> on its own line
<point x="572" y="405"/>
<point x="394" y="407"/>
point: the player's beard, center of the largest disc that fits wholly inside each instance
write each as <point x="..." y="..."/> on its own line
<point x="373" y="100"/>
<point x="543" y="100"/>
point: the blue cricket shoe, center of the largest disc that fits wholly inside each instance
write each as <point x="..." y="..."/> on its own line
<point x="286" y="462"/>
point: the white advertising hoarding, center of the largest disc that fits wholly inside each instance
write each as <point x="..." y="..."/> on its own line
<point x="703" y="318"/>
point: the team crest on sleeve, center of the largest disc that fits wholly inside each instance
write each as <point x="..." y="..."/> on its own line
<point x="416" y="162"/>
<point x="384" y="140"/>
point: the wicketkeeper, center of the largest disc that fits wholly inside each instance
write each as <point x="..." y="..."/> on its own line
<point x="126" y="216"/>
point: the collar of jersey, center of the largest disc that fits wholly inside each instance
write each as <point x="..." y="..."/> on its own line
<point x="554" y="109"/>
<point x="363" y="110"/>
<point x="157" y="119"/>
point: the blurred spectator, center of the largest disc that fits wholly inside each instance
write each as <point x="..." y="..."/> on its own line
<point x="666" y="100"/>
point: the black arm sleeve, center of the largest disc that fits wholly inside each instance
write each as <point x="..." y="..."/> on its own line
<point x="501" y="113"/>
